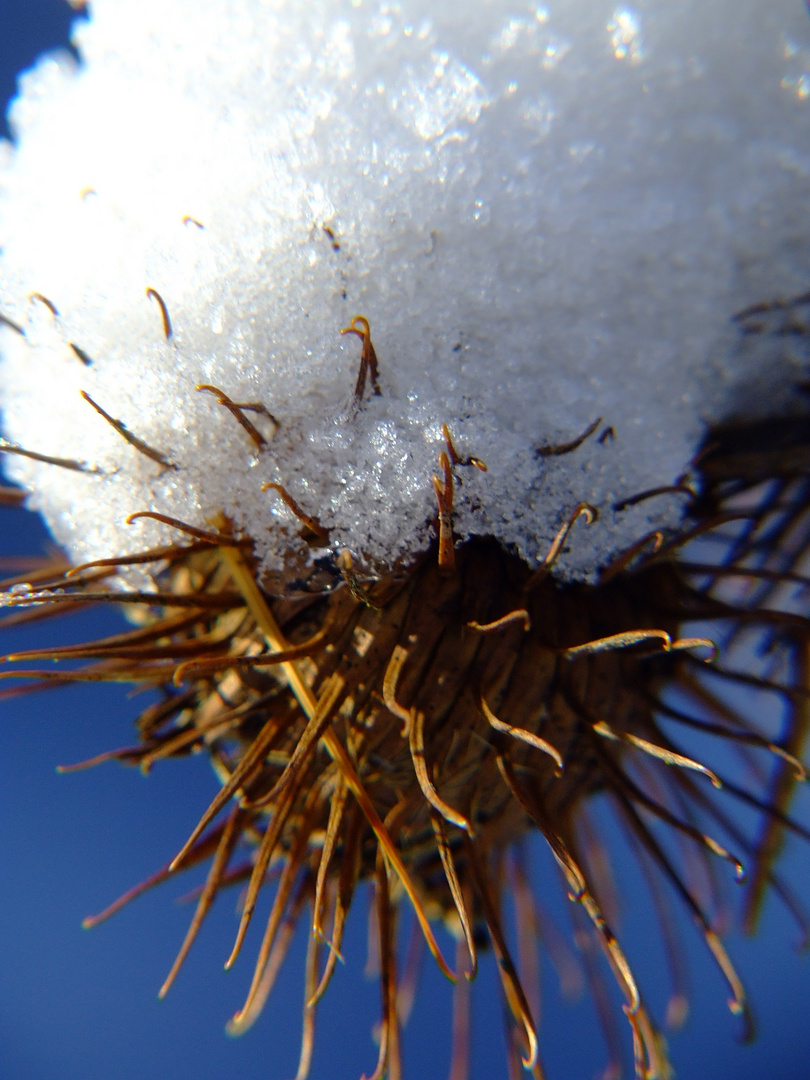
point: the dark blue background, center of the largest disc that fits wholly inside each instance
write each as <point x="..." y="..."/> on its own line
<point x="83" y="1004"/>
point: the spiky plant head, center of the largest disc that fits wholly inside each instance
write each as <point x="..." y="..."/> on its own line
<point x="407" y="628"/>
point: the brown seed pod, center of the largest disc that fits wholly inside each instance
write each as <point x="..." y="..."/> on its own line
<point x="409" y="730"/>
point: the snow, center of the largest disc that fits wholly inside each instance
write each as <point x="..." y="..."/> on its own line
<point x="547" y="215"/>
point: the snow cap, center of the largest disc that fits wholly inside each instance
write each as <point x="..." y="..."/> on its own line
<point x="546" y="214"/>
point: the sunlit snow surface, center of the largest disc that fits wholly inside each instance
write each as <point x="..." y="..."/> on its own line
<point x="547" y="214"/>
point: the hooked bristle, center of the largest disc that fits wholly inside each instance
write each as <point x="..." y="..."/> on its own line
<point x="409" y="731"/>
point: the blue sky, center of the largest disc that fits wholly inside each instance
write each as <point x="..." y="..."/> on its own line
<point x="83" y="1004"/>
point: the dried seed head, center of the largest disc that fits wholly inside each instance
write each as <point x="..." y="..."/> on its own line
<point x="410" y="730"/>
<point x="416" y="604"/>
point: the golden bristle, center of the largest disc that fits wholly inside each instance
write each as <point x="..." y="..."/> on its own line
<point x="409" y="730"/>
